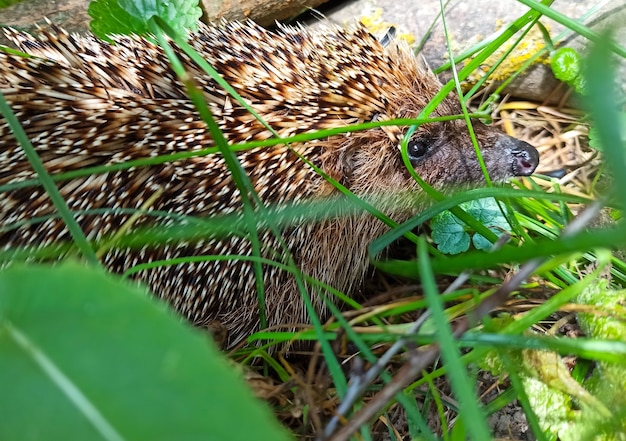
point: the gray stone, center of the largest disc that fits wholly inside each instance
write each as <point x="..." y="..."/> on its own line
<point x="470" y="21"/>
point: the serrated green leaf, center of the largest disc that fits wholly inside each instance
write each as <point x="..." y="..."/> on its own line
<point x="448" y="232"/>
<point x="488" y="212"/>
<point x="580" y="85"/>
<point x="481" y="243"/>
<point x="142" y="10"/>
<point x="566" y="64"/>
<point x="87" y="357"/>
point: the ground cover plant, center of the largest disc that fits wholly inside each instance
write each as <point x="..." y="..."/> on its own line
<point x="538" y="319"/>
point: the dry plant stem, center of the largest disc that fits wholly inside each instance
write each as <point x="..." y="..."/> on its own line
<point x="359" y="384"/>
<point x="417" y="362"/>
<point x="421" y="359"/>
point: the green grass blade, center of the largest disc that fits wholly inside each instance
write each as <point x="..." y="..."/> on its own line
<point x="471" y="413"/>
<point x="572" y="24"/>
<point x="48" y="184"/>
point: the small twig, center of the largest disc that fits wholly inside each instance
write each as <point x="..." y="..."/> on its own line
<point x="359" y="385"/>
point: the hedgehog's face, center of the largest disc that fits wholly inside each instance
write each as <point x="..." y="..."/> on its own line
<point x="441" y="153"/>
<point x="444" y="156"/>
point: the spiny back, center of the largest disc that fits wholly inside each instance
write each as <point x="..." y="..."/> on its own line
<point x="298" y="80"/>
<point x="84" y="103"/>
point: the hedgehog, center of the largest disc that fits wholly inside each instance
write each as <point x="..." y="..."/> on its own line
<point x="84" y="102"/>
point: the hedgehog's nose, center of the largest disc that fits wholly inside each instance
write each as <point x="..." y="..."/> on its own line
<point x="525" y="158"/>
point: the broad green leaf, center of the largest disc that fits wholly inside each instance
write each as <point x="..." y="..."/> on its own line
<point x="88" y="357"/>
<point x="593" y="408"/>
<point x="608" y="380"/>
<point x="111" y="17"/>
<point x="451" y="234"/>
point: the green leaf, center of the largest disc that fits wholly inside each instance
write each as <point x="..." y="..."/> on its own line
<point x="87" y="357"/>
<point x="111" y="17"/>
<point x="594" y="407"/>
<point x="566" y="64"/>
<point x="488" y="212"/>
<point x="450" y="233"/>
<point x="608" y="380"/>
<point x="605" y="326"/>
<point x="142" y="10"/>
<point x="580" y="85"/>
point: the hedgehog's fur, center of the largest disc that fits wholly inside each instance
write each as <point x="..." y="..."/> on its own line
<point x="84" y="102"/>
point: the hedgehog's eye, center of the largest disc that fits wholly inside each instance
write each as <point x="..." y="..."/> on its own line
<point x="416" y="149"/>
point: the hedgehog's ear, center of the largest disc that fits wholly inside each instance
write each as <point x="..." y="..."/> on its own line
<point x="389" y="36"/>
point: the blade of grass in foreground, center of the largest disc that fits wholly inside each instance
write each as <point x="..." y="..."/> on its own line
<point x="471" y="415"/>
<point x="602" y="103"/>
<point x="48" y="184"/>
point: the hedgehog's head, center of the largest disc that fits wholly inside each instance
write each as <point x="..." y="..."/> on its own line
<point x="444" y="156"/>
<point x="441" y="153"/>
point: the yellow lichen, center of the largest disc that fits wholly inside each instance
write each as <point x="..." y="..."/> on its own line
<point x="532" y="43"/>
<point x="376" y="25"/>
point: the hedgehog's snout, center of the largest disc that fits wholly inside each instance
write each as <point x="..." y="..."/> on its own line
<point x="524" y="157"/>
